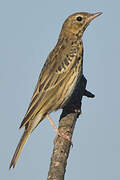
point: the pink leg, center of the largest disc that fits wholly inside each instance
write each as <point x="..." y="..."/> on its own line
<point x="52" y="123"/>
<point x="56" y="129"/>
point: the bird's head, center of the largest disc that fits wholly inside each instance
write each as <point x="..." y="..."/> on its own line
<point x="78" y="22"/>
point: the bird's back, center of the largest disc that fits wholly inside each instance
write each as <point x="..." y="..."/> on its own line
<point x="58" y="77"/>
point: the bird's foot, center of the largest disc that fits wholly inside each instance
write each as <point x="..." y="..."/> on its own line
<point x="61" y="134"/>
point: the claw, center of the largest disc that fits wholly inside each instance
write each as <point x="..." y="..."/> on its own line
<point x="61" y="134"/>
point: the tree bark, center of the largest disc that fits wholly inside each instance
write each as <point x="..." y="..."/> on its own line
<point x="68" y="118"/>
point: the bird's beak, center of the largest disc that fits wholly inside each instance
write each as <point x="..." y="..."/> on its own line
<point x="93" y="16"/>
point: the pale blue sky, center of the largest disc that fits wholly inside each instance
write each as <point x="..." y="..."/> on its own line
<point x="28" y="31"/>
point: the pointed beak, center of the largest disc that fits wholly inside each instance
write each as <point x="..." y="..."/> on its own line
<point x="93" y="16"/>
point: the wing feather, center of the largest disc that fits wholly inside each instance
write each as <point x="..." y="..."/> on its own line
<point x="54" y="71"/>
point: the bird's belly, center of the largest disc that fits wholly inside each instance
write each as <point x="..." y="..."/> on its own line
<point x="67" y="92"/>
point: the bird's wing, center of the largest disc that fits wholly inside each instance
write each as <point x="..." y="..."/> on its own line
<point x="54" y="71"/>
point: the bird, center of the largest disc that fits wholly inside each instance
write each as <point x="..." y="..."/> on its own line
<point x="58" y="78"/>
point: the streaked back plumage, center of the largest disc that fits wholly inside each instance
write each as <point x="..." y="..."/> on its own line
<point x="58" y="77"/>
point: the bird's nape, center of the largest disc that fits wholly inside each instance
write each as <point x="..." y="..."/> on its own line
<point x="59" y="76"/>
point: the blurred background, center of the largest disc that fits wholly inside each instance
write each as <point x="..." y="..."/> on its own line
<point x="28" y="32"/>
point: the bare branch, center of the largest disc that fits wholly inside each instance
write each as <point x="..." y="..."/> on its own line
<point x="67" y="123"/>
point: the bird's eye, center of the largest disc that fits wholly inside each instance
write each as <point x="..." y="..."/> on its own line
<point x="79" y="18"/>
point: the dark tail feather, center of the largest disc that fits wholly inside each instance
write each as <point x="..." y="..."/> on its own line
<point x="19" y="148"/>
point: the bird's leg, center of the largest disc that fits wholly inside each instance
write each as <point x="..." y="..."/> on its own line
<point x="53" y="124"/>
<point x="56" y="129"/>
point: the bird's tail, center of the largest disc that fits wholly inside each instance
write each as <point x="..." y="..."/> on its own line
<point x="19" y="148"/>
